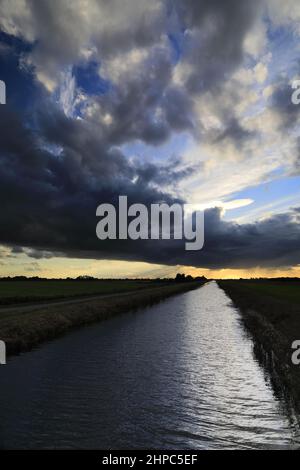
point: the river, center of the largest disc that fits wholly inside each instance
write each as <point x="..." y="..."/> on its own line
<point x="177" y="375"/>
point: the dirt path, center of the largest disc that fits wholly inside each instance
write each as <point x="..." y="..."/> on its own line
<point x="30" y="307"/>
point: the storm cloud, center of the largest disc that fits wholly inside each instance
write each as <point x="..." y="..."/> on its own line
<point x="50" y="202"/>
<point x="156" y="64"/>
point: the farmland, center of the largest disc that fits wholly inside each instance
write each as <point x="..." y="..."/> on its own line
<point x="29" y="291"/>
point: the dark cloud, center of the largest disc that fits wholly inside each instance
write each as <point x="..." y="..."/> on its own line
<point x="62" y="31"/>
<point x="215" y="33"/>
<point x="234" y="132"/>
<point x="282" y="104"/>
<point x="147" y="106"/>
<point x="288" y="114"/>
<point x="271" y="242"/>
<point x="163" y="174"/>
<point x="50" y="200"/>
<point x="55" y="170"/>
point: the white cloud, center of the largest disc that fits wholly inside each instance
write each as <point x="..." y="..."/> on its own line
<point x="285" y="13"/>
<point x="260" y="72"/>
<point x="255" y="41"/>
<point x="67" y="93"/>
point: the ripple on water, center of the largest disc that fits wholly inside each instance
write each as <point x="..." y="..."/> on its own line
<point x="180" y="374"/>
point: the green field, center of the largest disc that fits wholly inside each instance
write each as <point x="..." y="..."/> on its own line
<point x="288" y="291"/>
<point x="33" y="291"/>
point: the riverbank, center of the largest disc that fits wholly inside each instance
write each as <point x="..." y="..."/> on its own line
<point x="273" y="319"/>
<point x="33" y="290"/>
<point x="23" y="330"/>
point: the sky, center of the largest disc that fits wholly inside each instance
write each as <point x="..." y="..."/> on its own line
<point x="164" y="101"/>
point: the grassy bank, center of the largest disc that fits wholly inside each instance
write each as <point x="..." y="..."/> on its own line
<point x="286" y="291"/>
<point x="29" y="291"/>
<point x="23" y="330"/>
<point x="271" y="312"/>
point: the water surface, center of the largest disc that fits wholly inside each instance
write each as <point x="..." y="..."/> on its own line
<point x="178" y="375"/>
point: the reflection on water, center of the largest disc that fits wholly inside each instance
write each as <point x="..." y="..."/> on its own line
<point x="281" y="389"/>
<point x="178" y="375"/>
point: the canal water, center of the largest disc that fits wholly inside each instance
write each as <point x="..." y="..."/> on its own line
<point x="178" y="375"/>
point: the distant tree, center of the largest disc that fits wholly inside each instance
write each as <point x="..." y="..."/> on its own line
<point x="85" y="277"/>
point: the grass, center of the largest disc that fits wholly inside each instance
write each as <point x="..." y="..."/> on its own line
<point x="34" y="291"/>
<point x="285" y="291"/>
<point x="278" y="302"/>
